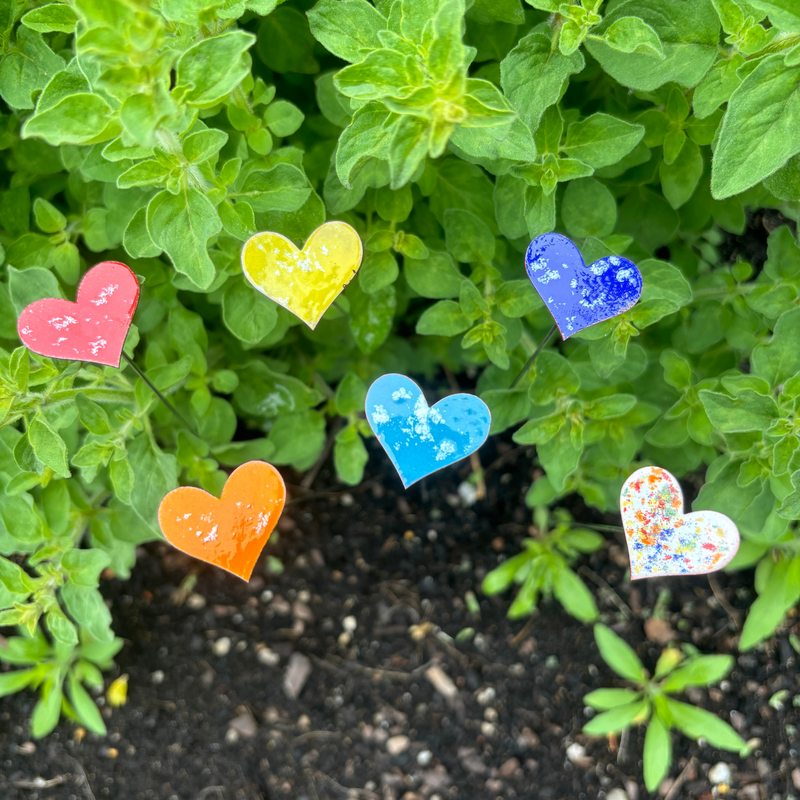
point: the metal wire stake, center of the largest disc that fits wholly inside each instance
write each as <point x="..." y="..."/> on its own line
<point x="158" y="394"/>
<point x="533" y="357"/>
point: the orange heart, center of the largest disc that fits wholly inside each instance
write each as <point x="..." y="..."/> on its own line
<point x="230" y="532"/>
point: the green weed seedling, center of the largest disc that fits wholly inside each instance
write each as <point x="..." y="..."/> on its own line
<point x="543" y="568"/>
<point x="59" y="672"/>
<point x="651" y="702"/>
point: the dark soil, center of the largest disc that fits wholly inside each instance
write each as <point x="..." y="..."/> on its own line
<point x="401" y="564"/>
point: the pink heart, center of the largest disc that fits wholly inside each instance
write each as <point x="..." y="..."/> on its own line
<point x="94" y="327"/>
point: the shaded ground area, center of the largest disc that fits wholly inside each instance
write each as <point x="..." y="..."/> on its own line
<point x="373" y="598"/>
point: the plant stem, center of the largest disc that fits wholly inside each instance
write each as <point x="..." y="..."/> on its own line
<point x="158" y="394"/>
<point x="536" y="352"/>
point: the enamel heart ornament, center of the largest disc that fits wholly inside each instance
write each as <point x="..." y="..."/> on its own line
<point x="662" y="540"/>
<point x="229" y="532"/>
<point x="305" y="281"/>
<point x="578" y="294"/>
<point x="421" y="439"/>
<point x="94" y="327"/>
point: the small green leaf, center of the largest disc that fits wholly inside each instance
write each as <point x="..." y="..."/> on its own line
<point x="605" y="699"/>
<point x="619" y="655"/>
<point x="444" y="318"/>
<point x="697" y="723"/>
<point x="49" y="447"/>
<point x="615" y="720"/>
<point x="657" y="753"/>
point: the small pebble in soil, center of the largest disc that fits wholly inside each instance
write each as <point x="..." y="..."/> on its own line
<point x="395" y="745"/>
<point x="720" y="773"/>
<point x="231" y="736"/>
<point x="304" y="722"/>
<point x="486" y="696"/>
<point x="195" y="601"/>
<point x="424" y="757"/>
<point x="222" y="646"/>
<point x="349" y="624"/>
<point x="347" y="500"/>
<point x="296" y="675"/>
<point x="488" y="730"/>
<point x="442" y="682"/>
<point x="26" y="749"/>
<point x="490" y="714"/>
<point x="266" y="596"/>
<point x="527" y="739"/>
<point x="157" y="677"/>
<point x="468" y="494"/>
<point x="617" y="794"/>
<point x="576" y="753"/>
<point x="244" y="724"/>
<point x="267" y="656"/>
<point x="509" y="767"/>
<point x="345" y="637"/>
<point x="432" y="535"/>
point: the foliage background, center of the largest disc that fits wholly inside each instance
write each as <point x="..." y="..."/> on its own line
<point x="164" y="134"/>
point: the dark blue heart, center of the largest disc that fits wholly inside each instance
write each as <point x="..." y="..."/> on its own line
<point x="575" y="294"/>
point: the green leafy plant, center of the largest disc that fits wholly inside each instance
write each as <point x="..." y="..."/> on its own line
<point x="542" y="569"/>
<point x="651" y="702"/>
<point x="60" y="671"/>
<point x="164" y="134"/>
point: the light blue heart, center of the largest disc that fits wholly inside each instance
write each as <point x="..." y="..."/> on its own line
<point x="421" y="439"/>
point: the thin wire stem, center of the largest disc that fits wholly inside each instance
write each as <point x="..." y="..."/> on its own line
<point x="536" y="353"/>
<point x="158" y="394"/>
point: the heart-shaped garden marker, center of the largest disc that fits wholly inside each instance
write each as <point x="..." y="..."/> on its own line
<point x="419" y="438"/>
<point x="230" y="532"/>
<point x="662" y="540"/>
<point x="94" y="327"/>
<point x="305" y="281"/>
<point x="578" y="295"/>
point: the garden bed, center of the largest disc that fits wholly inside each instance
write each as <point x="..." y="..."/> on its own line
<point x="369" y="722"/>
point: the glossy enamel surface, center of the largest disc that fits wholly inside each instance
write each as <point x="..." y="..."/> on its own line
<point x="229" y="532"/>
<point x="576" y="294"/>
<point x="421" y="439"/>
<point x="94" y="327"/>
<point x="662" y="540"/>
<point x="305" y="281"/>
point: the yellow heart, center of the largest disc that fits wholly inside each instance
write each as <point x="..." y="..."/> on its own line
<point x="305" y="281"/>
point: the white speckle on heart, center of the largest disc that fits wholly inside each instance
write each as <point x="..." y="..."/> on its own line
<point x="60" y="339"/>
<point x="401" y="394"/>
<point x="324" y="249"/>
<point x="598" y="268"/>
<point x="186" y="516"/>
<point x="446" y="448"/>
<point x="379" y="415"/>
<point x="263" y="521"/>
<point x="539" y="263"/>
<point x="212" y="535"/>
<point x="97" y="346"/>
<point x="614" y="261"/>
<point x="102" y="298"/>
<point x="59" y="323"/>
<point x="550" y="275"/>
